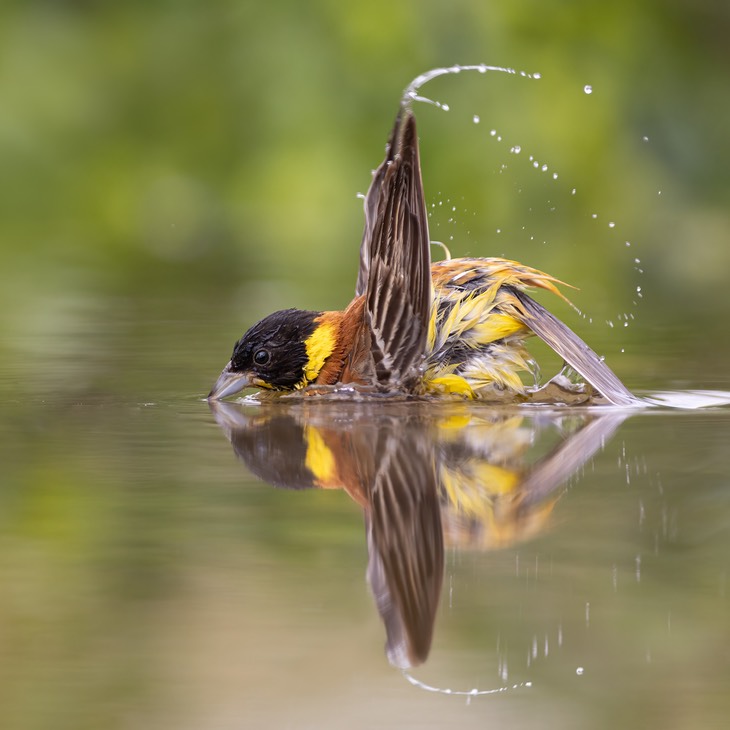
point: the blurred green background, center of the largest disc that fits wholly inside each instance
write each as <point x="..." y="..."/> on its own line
<point x="172" y="171"/>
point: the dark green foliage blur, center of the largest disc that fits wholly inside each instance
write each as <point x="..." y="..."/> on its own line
<point x="176" y="170"/>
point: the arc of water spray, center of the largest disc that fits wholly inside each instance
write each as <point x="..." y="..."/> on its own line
<point x="411" y="94"/>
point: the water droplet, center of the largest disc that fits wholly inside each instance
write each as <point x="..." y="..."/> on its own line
<point x="536" y="164"/>
<point x="555" y="176"/>
<point x="476" y="119"/>
<point x="594" y="215"/>
<point x="499" y="139"/>
<point x="544" y="168"/>
<point x="644" y="139"/>
<point x="572" y="192"/>
<point x="445" y="107"/>
<point x="637" y="261"/>
<point x="493" y="132"/>
<point x="588" y="89"/>
<point x="611" y="225"/>
<point x="537" y="75"/>
<point x="628" y="243"/>
<point x="638" y="289"/>
<point x="516" y="149"/>
<point x="579" y="671"/>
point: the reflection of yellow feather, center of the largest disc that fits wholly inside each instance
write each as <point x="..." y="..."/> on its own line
<point x="473" y="494"/>
<point x="319" y="459"/>
<point x="481" y="472"/>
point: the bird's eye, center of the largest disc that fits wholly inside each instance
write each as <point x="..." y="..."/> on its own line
<point x="261" y="357"/>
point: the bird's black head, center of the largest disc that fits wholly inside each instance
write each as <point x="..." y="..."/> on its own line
<point x="274" y="350"/>
<point x="276" y="353"/>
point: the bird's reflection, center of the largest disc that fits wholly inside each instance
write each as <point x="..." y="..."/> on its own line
<point x="425" y="476"/>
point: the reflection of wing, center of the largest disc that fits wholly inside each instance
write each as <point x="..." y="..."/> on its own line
<point x="405" y="544"/>
<point x="557" y="467"/>
<point x="395" y="262"/>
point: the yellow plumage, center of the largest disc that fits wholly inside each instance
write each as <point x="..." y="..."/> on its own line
<point x="319" y="346"/>
<point x="478" y="326"/>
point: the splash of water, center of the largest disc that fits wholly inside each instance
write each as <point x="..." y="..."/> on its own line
<point x="475" y="692"/>
<point x="689" y="399"/>
<point x="411" y="92"/>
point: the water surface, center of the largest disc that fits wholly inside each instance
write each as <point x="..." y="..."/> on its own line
<point x="576" y="558"/>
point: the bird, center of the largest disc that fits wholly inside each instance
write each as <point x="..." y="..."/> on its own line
<point x="455" y="328"/>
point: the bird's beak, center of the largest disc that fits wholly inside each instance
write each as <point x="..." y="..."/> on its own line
<point x="229" y="382"/>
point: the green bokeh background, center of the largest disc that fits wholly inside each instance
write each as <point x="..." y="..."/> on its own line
<point x="195" y="165"/>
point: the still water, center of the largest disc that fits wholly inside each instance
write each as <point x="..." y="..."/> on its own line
<point x="402" y="565"/>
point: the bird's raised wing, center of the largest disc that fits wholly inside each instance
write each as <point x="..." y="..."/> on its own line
<point x="370" y="205"/>
<point x="395" y="261"/>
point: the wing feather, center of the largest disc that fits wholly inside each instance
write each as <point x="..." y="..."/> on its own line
<point x="371" y="205"/>
<point x="575" y="352"/>
<point x="395" y="270"/>
<point x="405" y="542"/>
